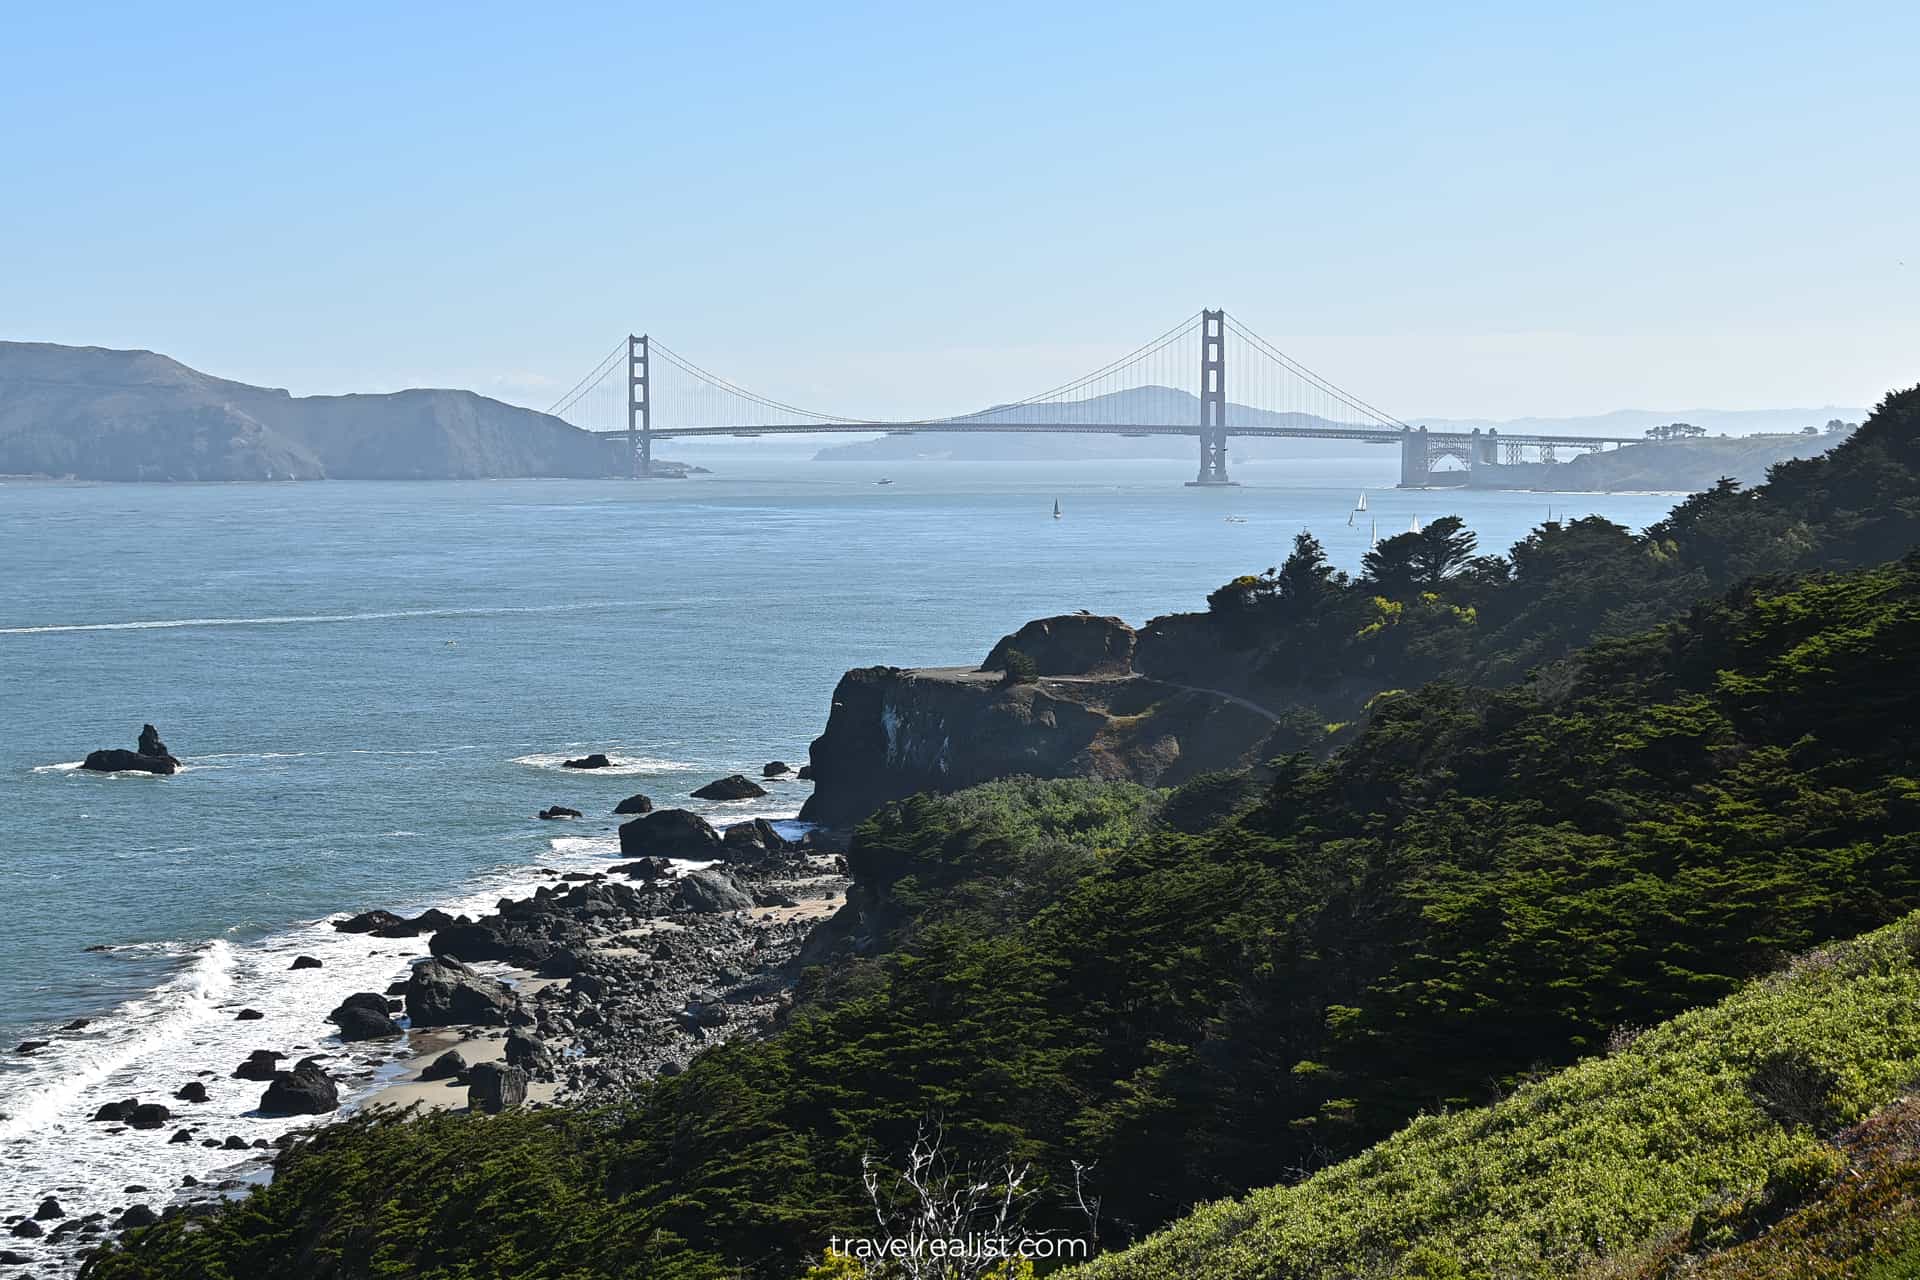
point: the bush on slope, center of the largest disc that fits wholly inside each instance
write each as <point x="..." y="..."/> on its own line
<point x="1714" y="1105"/>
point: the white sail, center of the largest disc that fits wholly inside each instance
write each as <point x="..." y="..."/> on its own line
<point x="1373" y="535"/>
<point x="1056" y="508"/>
<point x="1415" y="526"/>
<point x="1361" y="505"/>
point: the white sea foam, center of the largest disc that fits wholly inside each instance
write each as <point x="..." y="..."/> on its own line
<point x="619" y="765"/>
<point x="303" y="619"/>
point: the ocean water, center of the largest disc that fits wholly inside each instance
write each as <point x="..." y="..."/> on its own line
<point x="372" y="686"/>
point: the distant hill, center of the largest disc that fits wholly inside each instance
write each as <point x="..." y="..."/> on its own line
<point x="1170" y="404"/>
<point x="1139" y="404"/>
<point x="97" y="414"/>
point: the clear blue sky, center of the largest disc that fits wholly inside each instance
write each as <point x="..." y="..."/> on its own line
<point x="902" y="208"/>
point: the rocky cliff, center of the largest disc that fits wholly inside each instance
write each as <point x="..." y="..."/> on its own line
<point x="894" y="732"/>
<point x="97" y="414"/>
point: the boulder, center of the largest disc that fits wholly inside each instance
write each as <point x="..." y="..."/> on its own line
<point x="138" y="1215"/>
<point x="558" y="811"/>
<point x="595" y="761"/>
<point x="304" y="1091"/>
<point x="149" y="1115"/>
<point x="367" y="922"/>
<point x="709" y="891"/>
<point x="248" y="1015"/>
<point x="732" y="787"/>
<point x="117" y="1112"/>
<point x="444" y="992"/>
<point x="26" y="1047"/>
<point x="493" y="1088"/>
<point x="49" y="1210"/>
<point x="359" y="1020"/>
<point x="774" y="769"/>
<point x="634" y="804"/>
<point x="752" y="840"/>
<point x="28" y="1229"/>
<point x="670" y="833"/>
<point x="304" y="962"/>
<point x="528" y="1053"/>
<point x="191" y="1091"/>
<point x="261" y="1064"/>
<point x="427" y="921"/>
<point x="149" y="743"/>
<point x="804" y="773"/>
<point x="645" y="869"/>
<point x="448" y="1066"/>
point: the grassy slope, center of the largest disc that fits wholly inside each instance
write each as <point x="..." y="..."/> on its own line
<point x="1609" y="1152"/>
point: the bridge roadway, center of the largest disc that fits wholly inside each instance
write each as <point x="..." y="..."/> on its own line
<point x="1369" y="435"/>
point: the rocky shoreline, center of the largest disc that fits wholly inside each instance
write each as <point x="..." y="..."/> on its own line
<point x="594" y="983"/>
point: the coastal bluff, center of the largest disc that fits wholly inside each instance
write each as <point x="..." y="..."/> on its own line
<point x="1087" y="711"/>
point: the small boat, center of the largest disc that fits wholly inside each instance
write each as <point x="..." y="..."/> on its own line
<point x="1373" y="535"/>
<point x="883" y="480"/>
<point x="1236" y="519"/>
<point x="1056" y="508"/>
<point x="1361" y="505"/>
<point x="1415" y="526"/>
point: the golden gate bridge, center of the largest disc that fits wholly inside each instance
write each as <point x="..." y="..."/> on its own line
<point x="1177" y="384"/>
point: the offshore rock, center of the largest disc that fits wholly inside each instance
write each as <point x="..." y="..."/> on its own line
<point x="634" y="804"/>
<point x="669" y="833"/>
<point x="304" y="1091"/>
<point x="732" y="787"/>
<point x="597" y="760"/>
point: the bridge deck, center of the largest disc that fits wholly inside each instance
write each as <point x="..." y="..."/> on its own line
<point x="1364" y="435"/>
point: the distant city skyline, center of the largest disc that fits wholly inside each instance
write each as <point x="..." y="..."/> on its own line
<point x="1493" y="214"/>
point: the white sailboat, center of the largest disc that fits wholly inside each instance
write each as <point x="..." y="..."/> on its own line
<point x="1373" y="535"/>
<point x="1361" y="505"/>
<point x="1415" y="526"/>
<point x="1056" y="508"/>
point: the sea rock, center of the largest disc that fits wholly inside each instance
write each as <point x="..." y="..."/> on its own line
<point x="138" y="1215"/>
<point x="493" y="1088"/>
<point x="634" y="804"/>
<point x="558" y="811"/>
<point x="191" y="1091"/>
<point x="774" y="769"/>
<point x="304" y="1091"/>
<point x="117" y="760"/>
<point x="261" y="1064"/>
<point x="363" y="1016"/>
<point x="426" y="922"/>
<point x="149" y="1115"/>
<point x="444" y="992"/>
<point x="597" y="760"/>
<point x="28" y="1229"/>
<point x="670" y="833"/>
<point x="732" y="787"/>
<point x="49" y="1210"/>
<point x="709" y="891"/>
<point x="248" y="1015"/>
<point x="367" y="922"/>
<point x="645" y="869"/>
<point x="304" y="962"/>
<point x="804" y="773"/>
<point x="78" y="1024"/>
<point x="181" y="1135"/>
<point x="117" y="1112"/>
<point x="448" y="1066"/>
<point x="752" y="840"/>
<point x="31" y="1046"/>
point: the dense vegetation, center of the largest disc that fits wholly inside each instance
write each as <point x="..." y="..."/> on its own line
<point x="1257" y="976"/>
<point x="1700" y="1131"/>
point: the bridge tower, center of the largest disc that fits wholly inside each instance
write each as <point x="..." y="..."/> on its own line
<point x="639" y="410"/>
<point x="1213" y="401"/>
<point x="1416" y="463"/>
